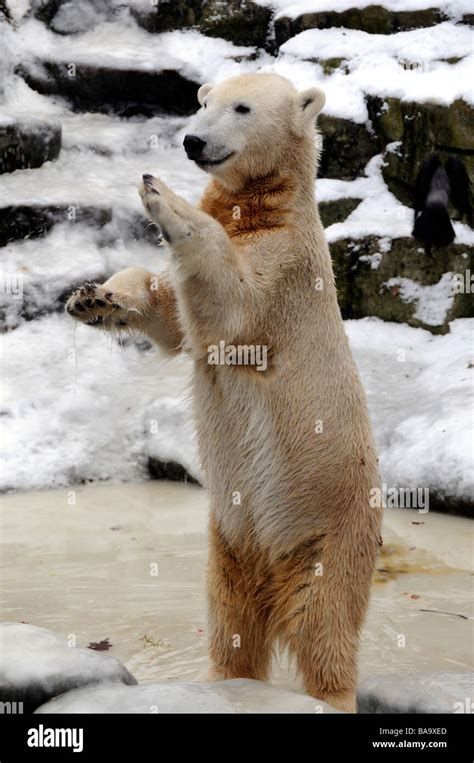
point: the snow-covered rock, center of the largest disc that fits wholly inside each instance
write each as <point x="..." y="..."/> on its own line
<point x="27" y="142"/>
<point x="233" y="696"/>
<point x="417" y="693"/>
<point x="36" y="664"/>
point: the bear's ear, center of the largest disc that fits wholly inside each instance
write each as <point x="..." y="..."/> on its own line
<point x="203" y="91"/>
<point x="310" y="103"/>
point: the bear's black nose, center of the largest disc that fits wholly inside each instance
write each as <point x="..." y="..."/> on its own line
<point x="193" y="146"/>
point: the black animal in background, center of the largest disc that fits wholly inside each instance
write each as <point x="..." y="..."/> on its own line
<point x="436" y="188"/>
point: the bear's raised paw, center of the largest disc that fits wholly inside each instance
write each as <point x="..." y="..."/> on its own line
<point x="94" y="305"/>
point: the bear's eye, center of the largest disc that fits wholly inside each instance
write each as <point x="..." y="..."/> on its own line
<point x="241" y="109"/>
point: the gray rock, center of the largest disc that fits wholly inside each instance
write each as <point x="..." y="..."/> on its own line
<point x="36" y="665"/>
<point x="417" y="693"/>
<point x="234" y="696"/>
<point x="28" y="143"/>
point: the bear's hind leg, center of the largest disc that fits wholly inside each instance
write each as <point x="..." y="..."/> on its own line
<point x="239" y="643"/>
<point x="321" y="595"/>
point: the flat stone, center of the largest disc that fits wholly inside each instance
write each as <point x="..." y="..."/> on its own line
<point x="417" y="693"/>
<point x="233" y="696"/>
<point x="36" y="665"/>
<point x="27" y="143"/>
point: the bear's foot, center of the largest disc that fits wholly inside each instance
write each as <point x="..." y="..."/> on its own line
<point x="94" y="305"/>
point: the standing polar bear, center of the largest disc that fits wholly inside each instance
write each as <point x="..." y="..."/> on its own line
<point x="286" y="445"/>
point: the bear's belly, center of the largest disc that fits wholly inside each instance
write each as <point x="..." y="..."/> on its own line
<point x="267" y="474"/>
<point x="238" y="449"/>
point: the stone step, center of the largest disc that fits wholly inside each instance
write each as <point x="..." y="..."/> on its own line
<point x="126" y="92"/>
<point x="374" y="19"/>
<point x="27" y="143"/>
<point x="19" y="222"/>
<point x="398" y="282"/>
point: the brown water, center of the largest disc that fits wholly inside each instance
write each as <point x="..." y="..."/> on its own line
<point x="126" y="563"/>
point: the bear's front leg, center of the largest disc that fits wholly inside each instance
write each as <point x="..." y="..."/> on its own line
<point x="131" y="300"/>
<point x="214" y="284"/>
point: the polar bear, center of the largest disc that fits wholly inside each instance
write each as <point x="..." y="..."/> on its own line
<point x="286" y="445"/>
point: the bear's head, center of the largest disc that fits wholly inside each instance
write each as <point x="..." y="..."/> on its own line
<point x="249" y="126"/>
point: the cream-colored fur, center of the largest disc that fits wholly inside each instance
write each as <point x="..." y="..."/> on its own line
<point x="288" y="453"/>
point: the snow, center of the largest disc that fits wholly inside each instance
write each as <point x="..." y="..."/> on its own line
<point x="433" y="303"/>
<point x="427" y="44"/>
<point x="77" y="406"/>
<point x="74" y="404"/>
<point x="419" y="388"/>
<point x="122" y="44"/>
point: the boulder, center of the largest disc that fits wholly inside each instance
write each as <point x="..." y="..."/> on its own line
<point x="122" y="91"/>
<point x="395" y="281"/>
<point x="374" y="19"/>
<point x="36" y="665"/>
<point x="417" y="693"/>
<point x="26" y="143"/>
<point x="232" y="696"/>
